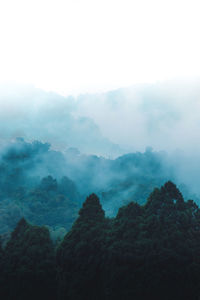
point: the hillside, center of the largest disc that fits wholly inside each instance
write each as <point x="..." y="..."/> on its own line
<point x="48" y="187"/>
<point x="148" y="251"/>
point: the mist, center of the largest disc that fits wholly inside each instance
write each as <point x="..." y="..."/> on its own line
<point x="38" y="115"/>
<point x="120" y="145"/>
<point x="164" y="115"/>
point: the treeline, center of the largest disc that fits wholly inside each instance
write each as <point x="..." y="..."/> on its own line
<point x="48" y="187"/>
<point x="27" y="189"/>
<point x="149" y="251"/>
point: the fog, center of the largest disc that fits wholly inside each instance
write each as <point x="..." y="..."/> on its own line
<point x="120" y="145"/>
<point x="34" y="114"/>
<point x="164" y="116"/>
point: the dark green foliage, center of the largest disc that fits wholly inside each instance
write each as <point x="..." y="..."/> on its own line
<point x="154" y="253"/>
<point x="29" y="264"/>
<point x="91" y="212"/>
<point x="1" y="270"/>
<point x="146" y="252"/>
<point x="79" y="257"/>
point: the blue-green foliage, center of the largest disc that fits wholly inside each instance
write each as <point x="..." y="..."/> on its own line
<point x="27" y="190"/>
<point x="48" y="187"/>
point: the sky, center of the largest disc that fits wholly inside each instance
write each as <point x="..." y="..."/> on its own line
<point x="86" y="46"/>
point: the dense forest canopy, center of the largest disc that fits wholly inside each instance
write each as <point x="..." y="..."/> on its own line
<point x="89" y="211"/>
<point x="48" y="187"/>
<point x="148" y="251"/>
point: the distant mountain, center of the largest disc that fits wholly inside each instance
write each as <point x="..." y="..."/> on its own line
<point x="38" y="115"/>
<point x="48" y="187"/>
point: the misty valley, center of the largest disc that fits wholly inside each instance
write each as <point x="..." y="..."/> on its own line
<point x="48" y="187"/>
<point x="99" y="150"/>
<point x="59" y="243"/>
<point x="100" y="195"/>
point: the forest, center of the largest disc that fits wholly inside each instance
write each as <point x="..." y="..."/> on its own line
<point x="148" y="251"/>
<point x="48" y="187"/>
<point x="99" y="150"/>
<point x="76" y="226"/>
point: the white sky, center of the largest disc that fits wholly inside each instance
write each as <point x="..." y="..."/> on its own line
<point x="82" y="46"/>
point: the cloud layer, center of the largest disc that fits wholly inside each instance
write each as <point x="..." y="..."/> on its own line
<point x="164" y="116"/>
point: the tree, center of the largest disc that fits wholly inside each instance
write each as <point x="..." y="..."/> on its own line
<point x="79" y="255"/>
<point x="29" y="263"/>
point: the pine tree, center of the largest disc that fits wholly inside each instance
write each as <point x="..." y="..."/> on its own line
<point x="29" y="263"/>
<point x="79" y="256"/>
